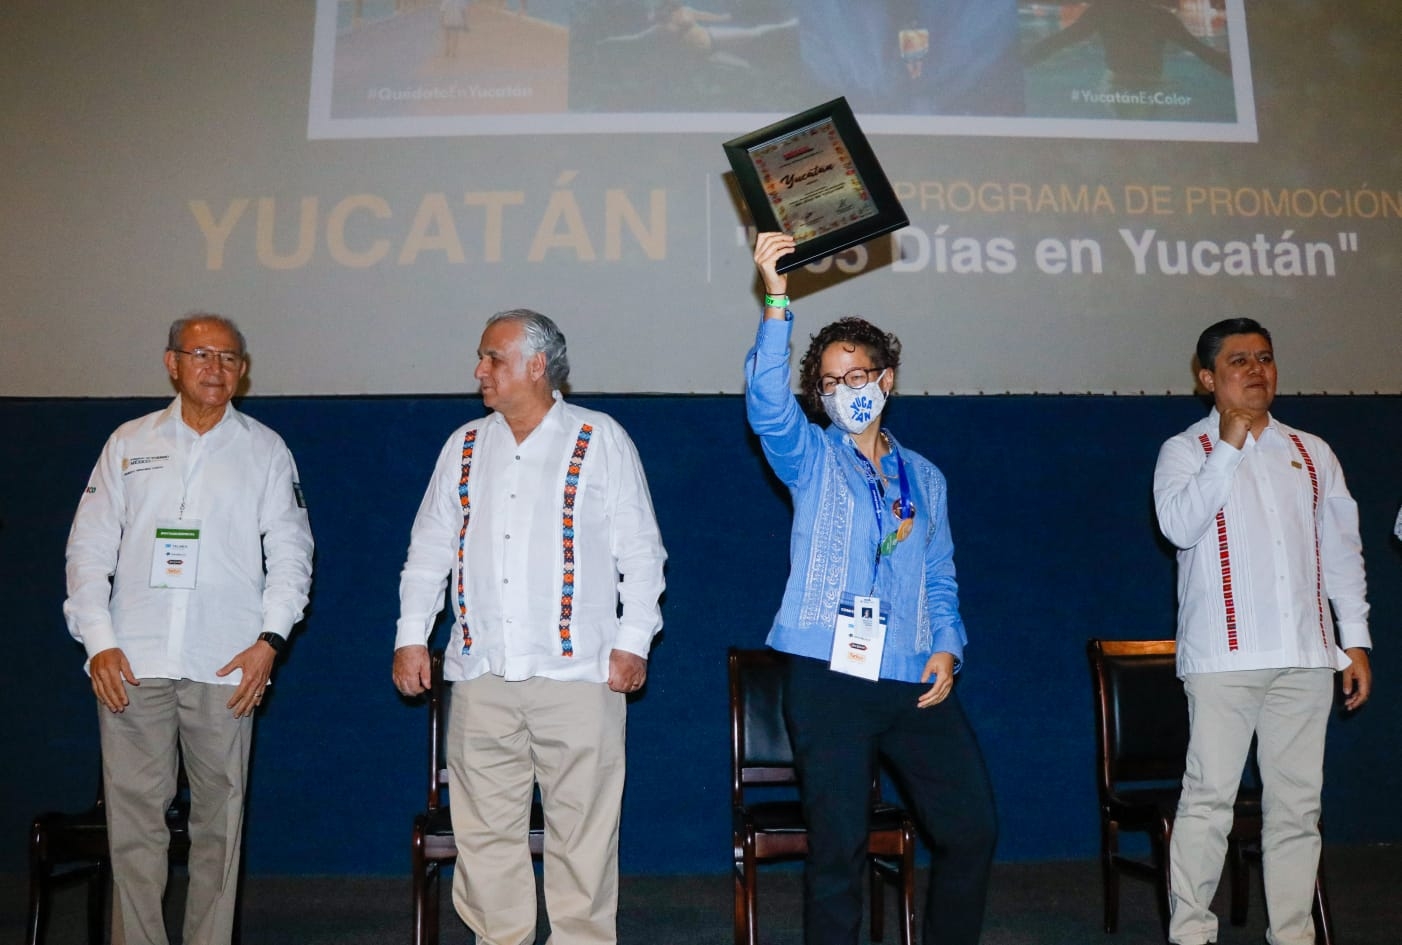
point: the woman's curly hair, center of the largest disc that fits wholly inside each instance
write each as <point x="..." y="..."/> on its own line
<point x="883" y="346"/>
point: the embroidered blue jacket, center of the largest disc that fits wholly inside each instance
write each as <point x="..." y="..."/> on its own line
<point x="832" y="550"/>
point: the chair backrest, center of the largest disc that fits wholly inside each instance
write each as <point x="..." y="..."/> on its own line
<point x="437" y="720"/>
<point x="1141" y="711"/>
<point x="760" y="752"/>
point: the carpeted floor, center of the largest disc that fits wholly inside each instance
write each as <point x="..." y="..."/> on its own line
<point x="1055" y="903"/>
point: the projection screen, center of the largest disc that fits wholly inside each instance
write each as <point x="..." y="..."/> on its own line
<point x="360" y="183"/>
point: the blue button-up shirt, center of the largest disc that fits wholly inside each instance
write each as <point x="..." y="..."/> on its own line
<point x="833" y="547"/>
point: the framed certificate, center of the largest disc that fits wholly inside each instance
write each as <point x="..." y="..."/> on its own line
<point x="814" y="176"/>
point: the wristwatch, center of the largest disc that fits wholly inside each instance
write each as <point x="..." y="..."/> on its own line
<point x="274" y="640"/>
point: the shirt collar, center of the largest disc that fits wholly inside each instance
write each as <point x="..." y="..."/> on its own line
<point x="553" y="420"/>
<point x="171" y="415"/>
<point x="1214" y="426"/>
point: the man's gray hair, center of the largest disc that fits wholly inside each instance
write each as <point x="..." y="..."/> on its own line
<point x="177" y="328"/>
<point x="540" y="335"/>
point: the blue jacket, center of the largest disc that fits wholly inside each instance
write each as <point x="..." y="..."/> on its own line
<point x="832" y="550"/>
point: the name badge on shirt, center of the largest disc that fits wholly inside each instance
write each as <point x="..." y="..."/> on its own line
<point x="175" y="555"/>
<point x="858" y="640"/>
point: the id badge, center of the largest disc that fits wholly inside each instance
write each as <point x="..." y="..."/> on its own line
<point x="175" y="554"/>
<point x="859" y="639"/>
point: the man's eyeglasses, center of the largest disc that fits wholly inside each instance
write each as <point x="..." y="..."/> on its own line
<point x="212" y="357"/>
<point x="855" y="378"/>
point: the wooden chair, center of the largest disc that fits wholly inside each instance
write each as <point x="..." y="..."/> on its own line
<point x="65" y="849"/>
<point x="432" y="846"/>
<point x="1141" y="730"/>
<point x="771" y="830"/>
<point x="70" y="848"/>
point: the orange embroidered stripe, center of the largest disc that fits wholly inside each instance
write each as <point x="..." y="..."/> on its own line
<point x="465" y="500"/>
<point x="581" y="447"/>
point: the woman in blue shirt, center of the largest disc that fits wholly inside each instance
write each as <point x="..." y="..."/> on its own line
<point x="870" y="617"/>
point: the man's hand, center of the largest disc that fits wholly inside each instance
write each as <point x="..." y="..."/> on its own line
<point x="627" y="671"/>
<point x="257" y="665"/>
<point x="940" y="666"/>
<point x="768" y="248"/>
<point x="1233" y="426"/>
<point x="1357" y="678"/>
<point x="413" y="671"/>
<point x="111" y="674"/>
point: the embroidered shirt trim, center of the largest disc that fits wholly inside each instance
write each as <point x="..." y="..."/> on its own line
<point x="581" y="447"/>
<point x="468" y="443"/>
<point x="1225" y="558"/>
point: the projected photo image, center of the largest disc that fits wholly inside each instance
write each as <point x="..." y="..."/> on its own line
<point x="1129" y="59"/>
<point x="1172" y="69"/>
<point x="435" y="58"/>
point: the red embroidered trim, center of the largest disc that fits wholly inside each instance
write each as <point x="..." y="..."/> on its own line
<point x="1225" y="559"/>
<point x="581" y="446"/>
<point x="1314" y="516"/>
<point x="464" y="499"/>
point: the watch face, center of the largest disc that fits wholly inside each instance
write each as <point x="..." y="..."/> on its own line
<point x="273" y="640"/>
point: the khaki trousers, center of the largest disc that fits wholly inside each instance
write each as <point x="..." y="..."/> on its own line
<point x="1288" y="711"/>
<point x="504" y="737"/>
<point x="139" y="774"/>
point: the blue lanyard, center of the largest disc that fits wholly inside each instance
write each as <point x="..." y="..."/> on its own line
<point x="885" y="545"/>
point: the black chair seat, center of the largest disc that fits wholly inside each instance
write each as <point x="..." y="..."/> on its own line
<point x="67" y="848"/>
<point x="434" y="829"/>
<point x="437" y="823"/>
<point x="773" y="817"/>
<point x="65" y="840"/>
<point x="787" y="817"/>
<point x="1138" y="805"/>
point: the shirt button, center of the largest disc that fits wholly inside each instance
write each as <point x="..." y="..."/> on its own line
<point x="508" y="537"/>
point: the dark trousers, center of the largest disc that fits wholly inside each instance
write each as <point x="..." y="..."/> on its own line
<point x="839" y="726"/>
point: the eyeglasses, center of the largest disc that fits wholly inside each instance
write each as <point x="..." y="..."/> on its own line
<point x="855" y="378"/>
<point x="212" y="357"/>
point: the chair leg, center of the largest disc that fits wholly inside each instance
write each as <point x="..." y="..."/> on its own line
<point x="746" y="909"/>
<point x="38" y="884"/>
<point x="1323" y="918"/>
<point x="38" y="908"/>
<point x="738" y="879"/>
<point x="1109" y="877"/>
<point x="908" y="891"/>
<point x="1161" y="842"/>
<point x="433" y="900"/>
<point x="752" y="905"/>
<point x="1240" y="875"/>
<point x="419" y="882"/>
<point x="878" y="903"/>
<point x="98" y="885"/>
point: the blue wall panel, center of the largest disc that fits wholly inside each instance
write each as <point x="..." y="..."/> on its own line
<point x="1053" y="523"/>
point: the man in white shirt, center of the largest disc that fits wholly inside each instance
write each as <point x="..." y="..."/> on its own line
<point x="188" y="564"/>
<point x="541" y="515"/>
<point x="1267" y="538"/>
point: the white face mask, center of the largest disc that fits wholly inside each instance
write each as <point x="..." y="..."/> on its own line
<point x="852" y="409"/>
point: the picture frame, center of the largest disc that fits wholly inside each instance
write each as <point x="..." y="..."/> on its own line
<point x="814" y="176"/>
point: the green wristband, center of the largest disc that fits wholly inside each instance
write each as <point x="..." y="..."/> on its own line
<point x="776" y="301"/>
